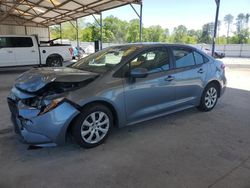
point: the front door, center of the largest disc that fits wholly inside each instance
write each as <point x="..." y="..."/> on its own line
<point x="153" y="95"/>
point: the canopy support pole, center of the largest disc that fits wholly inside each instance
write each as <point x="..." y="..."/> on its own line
<point x="101" y="27"/>
<point x="215" y="24"/>
<point x="77" y="40"/>
<point x="140" y="18"/>
<point x="61" y="32"/>
<point x="141" y="22"/>
<point x="101" y="31"/>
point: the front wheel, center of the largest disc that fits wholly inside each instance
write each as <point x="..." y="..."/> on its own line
<point x="92" y="126"/>
<point x="209" y="98"/>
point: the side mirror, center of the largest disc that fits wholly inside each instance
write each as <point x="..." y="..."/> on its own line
<point x="139" y="73"/>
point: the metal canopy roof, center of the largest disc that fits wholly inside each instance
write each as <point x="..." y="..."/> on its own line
<point x="44" y="13"/>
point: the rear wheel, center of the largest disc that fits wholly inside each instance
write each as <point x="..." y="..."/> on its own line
<point x="54" y="61"/>
<point x="92" y="127"/>
<point x="209" y="97"/>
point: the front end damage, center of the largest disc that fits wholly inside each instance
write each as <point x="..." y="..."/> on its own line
<point x="37" y="127"/>
<point x="42" y="112"/>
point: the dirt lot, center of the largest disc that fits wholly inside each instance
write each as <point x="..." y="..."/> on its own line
<point x="186" y="149"/>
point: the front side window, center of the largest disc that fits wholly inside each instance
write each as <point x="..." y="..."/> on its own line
<point x="5" y="42"/>
<point x="183" y="57"/>
<point x="154" y="60"/>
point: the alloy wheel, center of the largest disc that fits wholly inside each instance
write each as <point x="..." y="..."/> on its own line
<point x="211" y="97"/>
<point x="94" y="127"/>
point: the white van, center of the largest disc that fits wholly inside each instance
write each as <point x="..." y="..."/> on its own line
<point x="24" y="50"/>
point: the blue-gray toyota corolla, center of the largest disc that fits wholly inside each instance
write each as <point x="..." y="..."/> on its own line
<point x="117" y="86"/>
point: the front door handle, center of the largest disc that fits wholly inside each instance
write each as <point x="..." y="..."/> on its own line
<point x="33" y="51"/>
<point x="169" y="78"/>
<point x="9" y="51"/>
<point x="201" y="71"/>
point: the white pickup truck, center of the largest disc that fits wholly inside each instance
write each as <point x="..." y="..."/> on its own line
<point x="24" y="50"/>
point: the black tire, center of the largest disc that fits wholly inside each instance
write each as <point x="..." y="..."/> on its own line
<point x="54" y="62"/>
<point x="204" y="102"/>
<point x="79" y="126"/>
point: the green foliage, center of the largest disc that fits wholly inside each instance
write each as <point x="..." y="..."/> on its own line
<point x="154" y="34"/>
<point x="55" y="31"/>
<point x="180" y="34"/>
<point x="119" y="31"/>
<point x="228" y="19"/>
<point x="132" y="33"/>
<point x="207" y="33"/>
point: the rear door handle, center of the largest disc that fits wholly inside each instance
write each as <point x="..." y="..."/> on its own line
<point x="33" y="51"/>
<point x="169" y="78"/>
<point x="9" y="51"/>
<point x="200" y="71"/>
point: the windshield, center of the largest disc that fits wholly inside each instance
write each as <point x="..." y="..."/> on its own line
<point x="104" y="60"/>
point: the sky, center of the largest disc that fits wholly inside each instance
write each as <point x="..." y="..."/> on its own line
<point x="191" y="13"/>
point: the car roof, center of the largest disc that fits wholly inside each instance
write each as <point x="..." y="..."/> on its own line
<point x="154" y="44"/>
<point x="146" y="45"/>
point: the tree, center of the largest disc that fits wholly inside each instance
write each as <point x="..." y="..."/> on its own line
<point x="86" y="34"/>
<point x="180" y="33"/>
<point x="133" y="31"/>
<point x="54" y="31"/>
<point x="240" y="22"/>
<point x="242" y="31"/>
<point x="154" y="34"/>
<point x="228" y="19"/>
<point x="115" y="29"/>
<point x="247" y="19"/>
<point x="218" y="31"/>
<point x="207" y="33"/>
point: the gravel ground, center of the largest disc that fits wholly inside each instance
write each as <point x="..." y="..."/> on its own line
<point x="185" y="149"/>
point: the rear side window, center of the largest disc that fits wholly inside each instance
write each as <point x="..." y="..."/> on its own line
<point x="19" y="42"/>
<point x="198" y="58"/>
<point x="5" y="42"/>
<point x="183" y="57"/>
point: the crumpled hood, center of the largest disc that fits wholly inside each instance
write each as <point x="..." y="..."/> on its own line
<point x="37" y="78"/>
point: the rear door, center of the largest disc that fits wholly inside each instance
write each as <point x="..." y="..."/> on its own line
<point x="25" y="50"/>
<point x="7" y="56"/>
<point x="189" y="75"/>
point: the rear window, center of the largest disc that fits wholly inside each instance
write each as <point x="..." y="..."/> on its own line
<point x="22" y="42"/>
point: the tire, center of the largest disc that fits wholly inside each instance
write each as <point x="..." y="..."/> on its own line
<point x="209" y="98"/>
<point x="85" y="131"/>
<point x="54" y="62"/>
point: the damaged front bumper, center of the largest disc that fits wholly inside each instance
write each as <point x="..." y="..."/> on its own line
<point x="48" y="128"/>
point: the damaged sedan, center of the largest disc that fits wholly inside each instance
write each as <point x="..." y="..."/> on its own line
<point x="117" y="86"/>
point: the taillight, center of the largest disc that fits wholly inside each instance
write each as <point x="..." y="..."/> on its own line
<point x="71" y="51"/>
<point x="222" y="66"/>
